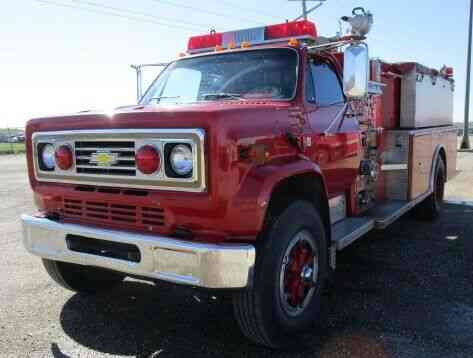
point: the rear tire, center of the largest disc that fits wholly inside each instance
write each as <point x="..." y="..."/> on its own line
<point x="80" y="278"/>
<point x="431" y="207"/>
<point x="291" y="269"/>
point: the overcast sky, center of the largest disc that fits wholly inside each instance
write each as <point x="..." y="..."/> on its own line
<point x="56" y="58"/>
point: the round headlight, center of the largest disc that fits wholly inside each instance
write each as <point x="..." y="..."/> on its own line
<point x="181" y="160"/>
<point x="47" y="157"/>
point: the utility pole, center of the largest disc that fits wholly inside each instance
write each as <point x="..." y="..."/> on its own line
<point x="304" y="9"/>
<point x="305" y="12"/>
<point x="466" y="135"/>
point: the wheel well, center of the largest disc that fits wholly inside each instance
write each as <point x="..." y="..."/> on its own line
<point x="307" y="187"/>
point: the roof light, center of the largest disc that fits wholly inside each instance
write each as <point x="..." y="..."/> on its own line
<point x="292" y="29"/>
<point x="242" y="38"/>
<point x="205" y="41"/>
<point x="293" y="42"/>
<point x="447" y="71"/>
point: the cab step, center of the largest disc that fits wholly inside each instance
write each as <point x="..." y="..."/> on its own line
<point x="347" y="231"/>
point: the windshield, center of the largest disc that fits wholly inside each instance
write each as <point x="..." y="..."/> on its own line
<point x="256" y="74"/>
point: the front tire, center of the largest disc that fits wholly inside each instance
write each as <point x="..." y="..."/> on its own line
<point x="80" y="278"/>
<point x="291" y="268"/>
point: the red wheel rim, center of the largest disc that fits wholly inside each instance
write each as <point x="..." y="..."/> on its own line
<point x="299" y="273"/>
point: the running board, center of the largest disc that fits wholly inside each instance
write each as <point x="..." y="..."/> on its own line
<point x="386" y="213"/>
<point x="347" y="231"/>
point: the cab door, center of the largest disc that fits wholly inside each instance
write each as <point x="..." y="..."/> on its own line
<point x="335" y="136"/>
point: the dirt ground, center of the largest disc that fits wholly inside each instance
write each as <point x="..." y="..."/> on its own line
<point x="403" y="292"/>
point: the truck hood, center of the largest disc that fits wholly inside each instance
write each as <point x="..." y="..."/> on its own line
<point x="205" y="115"/>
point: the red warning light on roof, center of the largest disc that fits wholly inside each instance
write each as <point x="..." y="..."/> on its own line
<point x="256" y="36"/>
<point x="205" y="41"/>
<point x="294" y="29"/>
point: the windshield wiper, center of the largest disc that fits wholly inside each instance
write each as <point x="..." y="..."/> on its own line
<point x="221" y="95"/>
<point x="158" y="99"/>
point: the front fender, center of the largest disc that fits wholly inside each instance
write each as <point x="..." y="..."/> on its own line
<point x="249" y="205"/>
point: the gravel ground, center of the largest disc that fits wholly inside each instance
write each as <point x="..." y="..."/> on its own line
<point x="463" y="183"/>
<point x="404" y="292"/>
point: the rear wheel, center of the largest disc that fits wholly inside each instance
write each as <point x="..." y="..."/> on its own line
<point x="291" y="268"/>
<point x="431" y="207"/>
<point x="80" y="278"/>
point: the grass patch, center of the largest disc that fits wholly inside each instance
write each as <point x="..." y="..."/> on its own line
<point x="11" y="131"/>
<point x="12" y="148"/>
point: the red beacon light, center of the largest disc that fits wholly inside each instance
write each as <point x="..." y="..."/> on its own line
<point x="205" y="42"/>
<point x="297" y="30"/>
<point x="447" y="72"/>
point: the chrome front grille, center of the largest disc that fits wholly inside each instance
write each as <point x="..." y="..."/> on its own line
<point x="122" y="154"/>
<point x="107" y="158"/>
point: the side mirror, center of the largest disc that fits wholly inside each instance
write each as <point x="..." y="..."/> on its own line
<point x="356" y="71"/>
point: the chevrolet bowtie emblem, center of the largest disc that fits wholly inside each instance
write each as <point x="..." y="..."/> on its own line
<point x="104" y="158"/>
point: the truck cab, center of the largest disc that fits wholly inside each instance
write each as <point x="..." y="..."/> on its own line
<point x="246" y="166"/>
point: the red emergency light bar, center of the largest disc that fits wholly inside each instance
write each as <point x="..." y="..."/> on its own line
<point x="289" y="30"/>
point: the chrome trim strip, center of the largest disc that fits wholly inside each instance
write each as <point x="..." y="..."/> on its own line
<point x="114" y="149"/>
<point x="425" y="131"/>
<point x="390" y="167"/>
<point x="162" y="258"/>
<point x="85" y="166"/>
<point x="158" y="137"/>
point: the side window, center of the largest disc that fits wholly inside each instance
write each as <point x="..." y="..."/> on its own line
<point x="309" y="86"/>
<point x="326" y="85"/>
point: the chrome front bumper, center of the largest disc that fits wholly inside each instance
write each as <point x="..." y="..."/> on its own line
<point x="162" y="258"/>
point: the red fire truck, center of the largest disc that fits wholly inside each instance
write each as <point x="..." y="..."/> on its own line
<point x="246" y="166"/>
